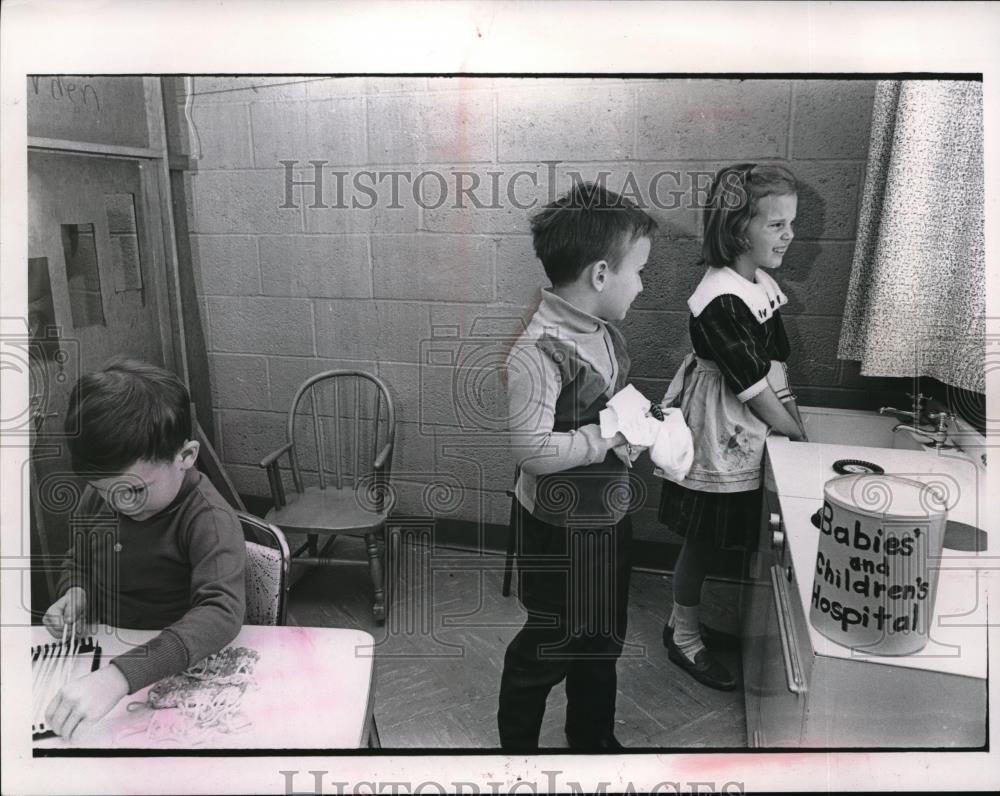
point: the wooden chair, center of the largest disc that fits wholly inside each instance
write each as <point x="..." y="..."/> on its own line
<point x="508" y="564"/>
<point x="267" y="571"/>
<point x="340" y="433"/>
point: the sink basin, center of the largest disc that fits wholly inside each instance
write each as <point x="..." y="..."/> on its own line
<point x="854" y="427"/>
<point x="964" y="537"/>
<point x="846" y="434"/>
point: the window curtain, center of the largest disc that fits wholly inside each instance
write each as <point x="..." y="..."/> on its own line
<point x="916" y="301"/>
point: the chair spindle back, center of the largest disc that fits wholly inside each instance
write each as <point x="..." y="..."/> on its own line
<point x="352" y="450"/>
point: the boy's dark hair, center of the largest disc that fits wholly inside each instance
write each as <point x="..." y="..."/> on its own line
<point x="126" y="412"/>
<point x="732" y="202"/>
<point x="586" y="224"/>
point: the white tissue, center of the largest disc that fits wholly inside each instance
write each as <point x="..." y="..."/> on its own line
<point x="627" y="412"/>
<point x="673" y="450"/>
<point x="669" y="440"/>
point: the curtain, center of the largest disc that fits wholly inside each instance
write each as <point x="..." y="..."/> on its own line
<point x="916" y="302"/>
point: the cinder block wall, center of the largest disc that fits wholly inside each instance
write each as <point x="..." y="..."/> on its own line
<point x="424" y="287"/>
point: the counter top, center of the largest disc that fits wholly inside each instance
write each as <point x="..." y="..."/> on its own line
<point x="958" y="629"/>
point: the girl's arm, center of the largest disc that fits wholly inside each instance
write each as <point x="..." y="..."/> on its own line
<point x="793" y="410"/>
<point x="783" y="351"/>
<point x="768" y="408"/>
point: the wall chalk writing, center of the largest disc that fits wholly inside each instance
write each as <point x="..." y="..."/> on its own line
<point x="63" y="88"/>
<point x="88" y="108"/>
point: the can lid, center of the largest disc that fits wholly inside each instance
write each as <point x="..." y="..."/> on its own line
<point x="880" y="494"/>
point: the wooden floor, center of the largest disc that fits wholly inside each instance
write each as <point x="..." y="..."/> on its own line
<point x="439" y="657"/>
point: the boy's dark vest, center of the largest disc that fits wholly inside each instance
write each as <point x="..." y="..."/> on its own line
<point x="595" y="494"/>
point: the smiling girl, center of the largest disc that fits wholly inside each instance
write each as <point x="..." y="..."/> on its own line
<point x="733" y="390"/>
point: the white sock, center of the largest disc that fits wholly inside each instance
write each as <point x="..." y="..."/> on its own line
<point x="687" y="635"/>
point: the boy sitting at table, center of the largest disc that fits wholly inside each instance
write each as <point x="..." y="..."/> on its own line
<point x="154" y="545"/>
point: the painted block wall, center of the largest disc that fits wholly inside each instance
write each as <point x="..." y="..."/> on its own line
<point x="391" y="267"/>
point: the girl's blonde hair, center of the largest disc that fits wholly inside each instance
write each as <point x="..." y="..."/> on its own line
<point x="732" y="201"/>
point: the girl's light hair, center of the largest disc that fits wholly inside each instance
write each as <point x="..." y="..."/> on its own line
<point x="732" y="201"/>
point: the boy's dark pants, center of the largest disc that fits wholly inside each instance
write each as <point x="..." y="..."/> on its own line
<point x="574" y="584"/>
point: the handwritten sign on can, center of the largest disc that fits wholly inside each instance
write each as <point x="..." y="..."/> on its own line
<point x="877" y="563"/>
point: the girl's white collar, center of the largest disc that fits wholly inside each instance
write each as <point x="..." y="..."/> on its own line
<point x="762" y="296"/>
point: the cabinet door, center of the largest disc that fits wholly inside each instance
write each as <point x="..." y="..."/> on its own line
<point x="755" y="595"/>
<point x="755" y="598"/>
<point x="757" y="611"/>
<point x="782" y="688"/>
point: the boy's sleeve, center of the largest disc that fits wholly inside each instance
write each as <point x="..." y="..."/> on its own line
<point x="72" y="572"/>
<point x="218" y="561"/>
<point x="533" y="385"/>
<point x="733" y="335"/>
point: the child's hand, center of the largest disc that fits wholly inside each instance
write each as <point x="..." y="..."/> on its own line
<point x="87" y="698"/>
<point x="69" y="610"/>
<point x="801" y="427"/>
<point x="628" y="453"/>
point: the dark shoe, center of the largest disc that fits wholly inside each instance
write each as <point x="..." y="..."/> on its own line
<point x="609" y="744"/>
<point x="713" y="639"/>
<point x="705" y="669"/>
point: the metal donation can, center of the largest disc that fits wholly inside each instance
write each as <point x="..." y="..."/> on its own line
<point x="877" y="563"/>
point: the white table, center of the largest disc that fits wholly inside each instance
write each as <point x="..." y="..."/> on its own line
<point x="314" y="690"/>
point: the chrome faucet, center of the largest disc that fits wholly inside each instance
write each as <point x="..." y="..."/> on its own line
<point x="916" y="415"/>
<point x="937" y="433"/>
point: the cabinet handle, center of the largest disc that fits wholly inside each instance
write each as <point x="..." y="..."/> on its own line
<point x="777" y="532"/>
<point x="790" y="654"/>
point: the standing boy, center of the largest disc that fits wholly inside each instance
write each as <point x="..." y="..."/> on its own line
<point x="572" y="493"/>
<point x="154" y="544"/>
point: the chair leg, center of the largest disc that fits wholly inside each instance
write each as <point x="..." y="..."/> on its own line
<point x="327" y="545"/>
<point x="377" y="570"/>
<point x="508" y="564"/>
<point x="313" y="545"/>
<point x="391" y="548"/>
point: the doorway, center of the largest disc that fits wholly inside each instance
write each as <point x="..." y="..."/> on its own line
<point x="98" y="288"/>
